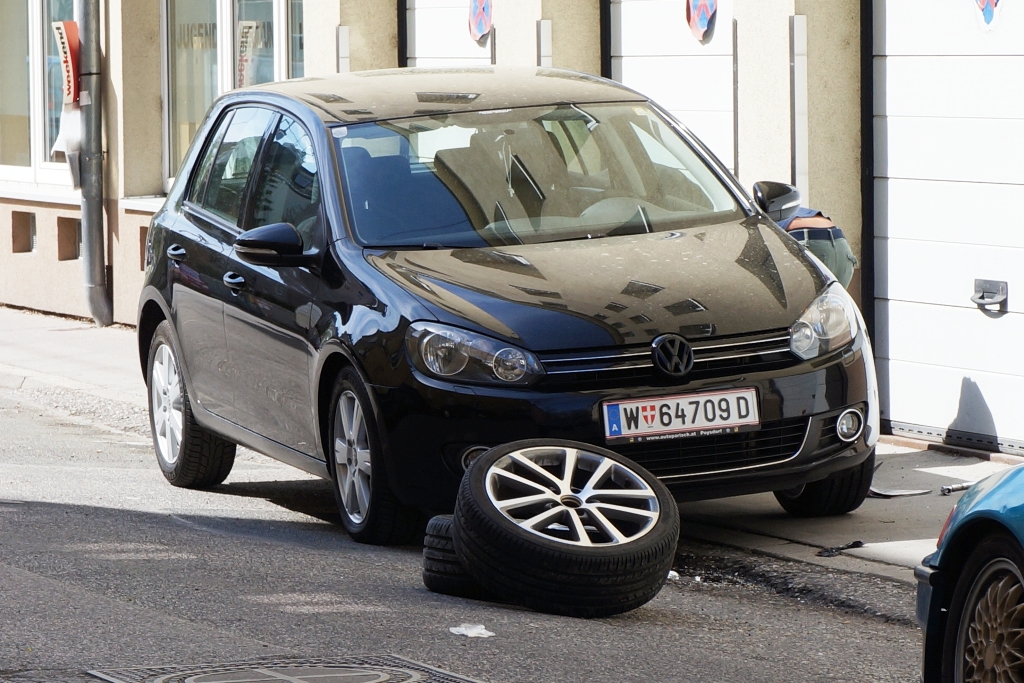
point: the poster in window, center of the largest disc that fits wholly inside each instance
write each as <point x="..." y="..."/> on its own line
<point x="247" y="35"/>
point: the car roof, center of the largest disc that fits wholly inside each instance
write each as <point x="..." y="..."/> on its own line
<point x="398" y="93"/>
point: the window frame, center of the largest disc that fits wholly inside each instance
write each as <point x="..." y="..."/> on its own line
<point x="226" y="25"/>
<point x="40" y="171"/>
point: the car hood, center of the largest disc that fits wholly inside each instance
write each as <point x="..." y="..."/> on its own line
<point x="718" y="280"/>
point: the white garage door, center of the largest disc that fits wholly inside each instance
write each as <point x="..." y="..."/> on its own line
<point x="949" y="182"/>
<point x="654" y="52"/>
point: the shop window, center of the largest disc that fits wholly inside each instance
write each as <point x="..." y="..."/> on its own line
<point x="15" y="140"/>
<point x="23" y="232"/>
<point x="195" y="76"/>
<point x="69" y="239"/>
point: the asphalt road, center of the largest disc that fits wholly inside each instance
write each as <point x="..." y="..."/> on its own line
<point x="103" y="564"/>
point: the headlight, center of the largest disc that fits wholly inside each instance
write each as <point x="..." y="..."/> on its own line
<point x="450" y="352"/>
<point x="829" y="323"/>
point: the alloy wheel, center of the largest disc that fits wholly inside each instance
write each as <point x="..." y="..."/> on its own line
<point x="352" y="457"/>
<point x="167" y="400"/>
<point x="572" y="496"/>
<point x="990" y="642"/>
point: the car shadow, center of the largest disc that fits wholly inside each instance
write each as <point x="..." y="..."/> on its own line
<point x="312" y="497"/>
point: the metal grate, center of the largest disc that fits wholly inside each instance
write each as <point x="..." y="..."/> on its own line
<point x="376" y="668"/>
<point x="775" y="442"/>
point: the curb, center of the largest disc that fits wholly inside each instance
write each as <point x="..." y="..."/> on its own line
<point x="917" y="444"/>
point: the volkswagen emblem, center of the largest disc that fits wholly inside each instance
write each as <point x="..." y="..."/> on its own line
<point x="672" y="355"/>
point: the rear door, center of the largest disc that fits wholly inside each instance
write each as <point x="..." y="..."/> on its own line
<point x="200" y="247"/>
<point x="270" y="334"/>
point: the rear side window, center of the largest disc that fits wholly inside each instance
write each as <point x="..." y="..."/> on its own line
<point x="229" y="172"/>
<point x="288" y="190"/>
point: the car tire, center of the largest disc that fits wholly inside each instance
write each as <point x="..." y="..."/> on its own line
<point x="553" y="568"/>
<point x="842" y="492"/>
<point x="189" y="455"/>
<point x="443" y="571"/>
<point x="982" y="620"/>
<point x="370" y="512"/>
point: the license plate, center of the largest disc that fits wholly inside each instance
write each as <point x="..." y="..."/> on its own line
<point x="685" y="415"/>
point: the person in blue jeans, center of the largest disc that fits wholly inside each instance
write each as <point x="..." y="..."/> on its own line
<point x="819" y="234"/>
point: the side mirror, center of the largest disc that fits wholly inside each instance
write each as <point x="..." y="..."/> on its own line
<point x="277" y="244"/>
<point x="778" y="200"/>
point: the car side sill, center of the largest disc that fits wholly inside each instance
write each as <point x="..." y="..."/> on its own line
<point x="244" y="437"/>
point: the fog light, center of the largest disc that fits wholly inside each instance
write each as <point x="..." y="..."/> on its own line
<point x="850" y="425"/>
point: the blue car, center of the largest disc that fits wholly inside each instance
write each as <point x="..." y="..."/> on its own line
<point x="969" y="591"/>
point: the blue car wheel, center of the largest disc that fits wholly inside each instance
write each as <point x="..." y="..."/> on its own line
<point x="984" y="638"/>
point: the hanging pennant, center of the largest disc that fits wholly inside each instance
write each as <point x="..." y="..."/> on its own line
<point x="479" y="18"/>
<point x="701" y="15"/>
<point x="989" y="12"/>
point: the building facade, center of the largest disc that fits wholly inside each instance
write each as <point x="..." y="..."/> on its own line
<point x="878" y="110"/>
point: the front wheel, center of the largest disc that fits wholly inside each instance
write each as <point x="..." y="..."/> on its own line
<point x="369" y="510"/>
<point x="837" y="494"/>
<point x="984" y="638"/>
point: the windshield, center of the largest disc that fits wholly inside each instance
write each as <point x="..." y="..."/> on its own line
<point x="523" y="176"/>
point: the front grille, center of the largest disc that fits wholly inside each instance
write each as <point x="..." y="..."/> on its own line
<point x="627" y="366"/>
<point x="775" y="442"/>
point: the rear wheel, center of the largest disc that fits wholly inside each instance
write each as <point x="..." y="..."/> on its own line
<point x="984" y="638"/>
<point x="369" y="510"/>
<point x="189" y="456"/>
<point x="837" y="494"/>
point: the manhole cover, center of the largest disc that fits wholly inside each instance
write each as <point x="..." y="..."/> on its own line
<point x="373" y="669"/>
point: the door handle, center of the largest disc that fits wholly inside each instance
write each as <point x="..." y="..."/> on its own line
<point x="234" y="281"/>
<point x="176" y="252"/>
<point x="990" y="293"/>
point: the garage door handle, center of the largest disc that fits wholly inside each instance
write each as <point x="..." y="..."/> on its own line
<point x="990" y="293"/>
<point x="234" y="280"/>
<point x="176" y="252"/>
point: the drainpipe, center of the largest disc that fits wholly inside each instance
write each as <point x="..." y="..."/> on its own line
<point x="93" y="254"/>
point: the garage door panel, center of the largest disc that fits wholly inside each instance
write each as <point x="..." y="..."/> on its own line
<point x="976" y="150"/>
<point x="952" y="337"/>
<point x="987" y="87"/>
<point x="952" y="398"/>
<point x="442" y="33"/>
<point x="946" y="27"/>
<point x="659" y="28"/>
<point x="943" y="273"/>
<point x="680" y="83"/>
<point x="965" y="213"/>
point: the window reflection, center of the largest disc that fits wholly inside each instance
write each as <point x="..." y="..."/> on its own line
<point x="254" y="42"/>
<point x="193" y="70"/>
<point x="54" y="10"/>
<point x="14" y="91"/>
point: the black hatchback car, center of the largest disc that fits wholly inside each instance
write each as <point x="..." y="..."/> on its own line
<point x="377" y="276"/>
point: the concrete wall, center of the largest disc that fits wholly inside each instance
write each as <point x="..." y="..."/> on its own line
<point x="373" y="33"/>
<point x="575" y="34"/>
<point x="39" y="279"/>
<point x="763" y="51"/>
<point x="834" y="100"/>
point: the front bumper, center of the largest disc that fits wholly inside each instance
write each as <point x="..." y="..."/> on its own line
<point x="931" y="617"/>
<point x="427" y="424"/>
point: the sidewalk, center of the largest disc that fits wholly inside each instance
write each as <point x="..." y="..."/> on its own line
<point x="38" y="350"/>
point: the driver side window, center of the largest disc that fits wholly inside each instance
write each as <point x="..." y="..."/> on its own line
<point x="288" y="189"/>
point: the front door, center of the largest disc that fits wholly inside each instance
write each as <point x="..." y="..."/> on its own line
<point x="269" y="323"/>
